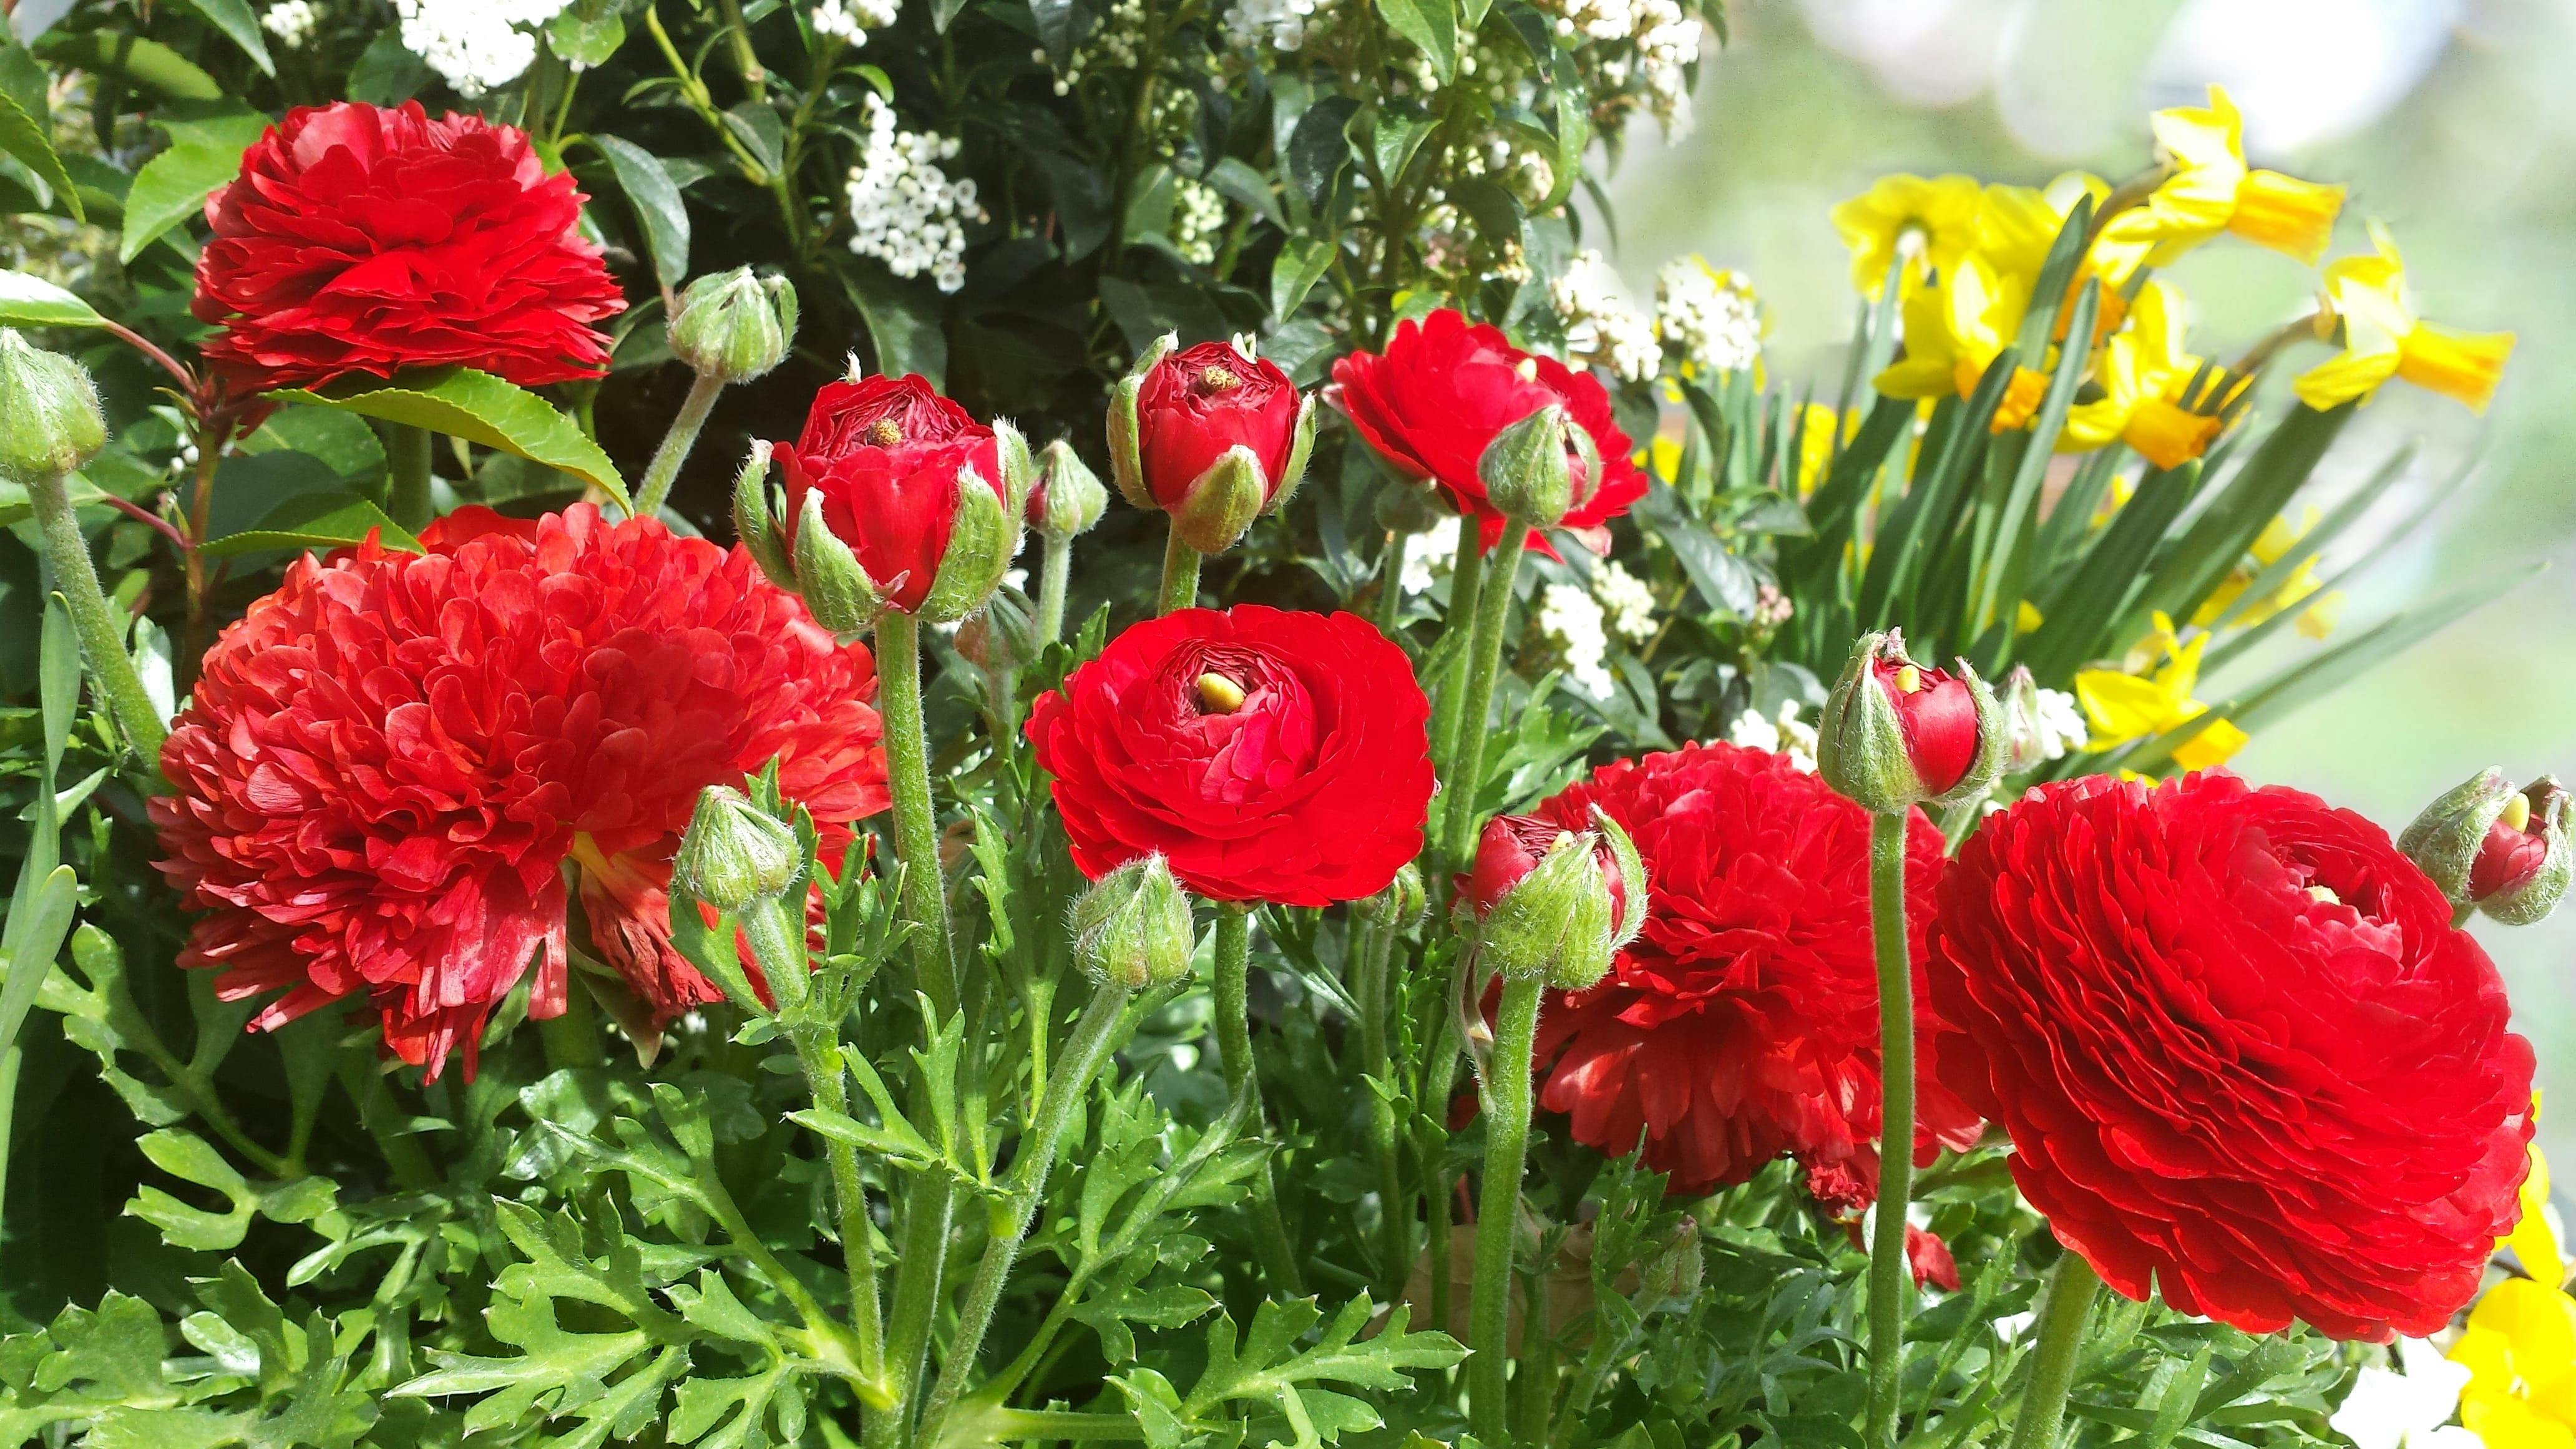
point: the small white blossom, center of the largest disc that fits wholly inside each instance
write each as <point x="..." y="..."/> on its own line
<point x="1784" y="734"/>
<point x="1630" y="604"/>
<point x="2410" y="1410"/>
<point x="851" y="20"/>
<point x="2061" y="724"/>
<point x="1198" y="218"/>
<point x="475" y="45"/>
<point x="1429" y="553"/>
<point x="1279" y="24"/>
<point x="1649" y="41"/>
<point x="291" y="21"/>
<point x="1602" y="327"/>
<point x="909" y="215"/>
<point x="1569" y="616"/>
<point x="1710" y="316"/>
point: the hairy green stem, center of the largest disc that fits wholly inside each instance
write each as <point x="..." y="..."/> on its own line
<point x="1395" y="1207"/>
<point x="1476" y="697"/>
<point x="1180" y="574"/>
<point x="930" y="1202"/>
<point x="407" y="500"/>
<point x="1891" y="1281"/>
<point x="1054" y="566"/>
<point x="1094" y="1038"/>
<point x="1506" y="1088"/>
<point x="102" y="634"/>
<point x="1465" y="585"/>
<point x="676" y="443"/>
<point x="2071" y="1288"/>
<point x="1390" y="583"/>
<point x="1280" y="1278"/>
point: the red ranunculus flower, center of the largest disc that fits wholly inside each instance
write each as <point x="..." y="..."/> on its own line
<point x="888" y="455"/>
<point x="2244" y="1058"/>
<point x="392" y="764"/>
<point x="1201" y="401"/>
<point x="1938" y="716"/>
<point x="1269" y="755"/>
<point x="1443" y="388"/>
<point x="1742" y="1023"/>
<point x="365" y="240"/>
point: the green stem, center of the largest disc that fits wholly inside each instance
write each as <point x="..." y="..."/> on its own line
<point x="102" y="634"/>
<point x="1093" y="1040"/>
<point x="1485" y="657"/>
<point x="9" y="1060"/>
<point x="1891" y="1282"/>
<point x="407" y="499"/>
<point x="930" y="1204"/>
<point x="403" y="1156"/>
<point x="1390" y="584"/>
<point x="676" y="443"/>
<point x="1055" y="565"/>
<point x="755" y="76"/>
<point x="1234" y="1044"/>
<point x="2462" y="913"/>
<point x="1180" y="574"/>
<point x="1506" y="1088"/>
<point x="1465" y="585"/>
<point x="2071" y="1288"/>
<point x="1395" y="1208"/>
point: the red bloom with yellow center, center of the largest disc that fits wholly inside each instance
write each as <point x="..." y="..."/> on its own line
<point x="396" y="768"/>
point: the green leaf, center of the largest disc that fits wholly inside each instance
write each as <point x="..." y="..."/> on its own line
<point x="1301" y="263"/>
<point x="1395" y="135"/>
<point x="585" y="40"/>
<point x="187" y="1156"/>
<point x="479" y="408"/>
<point x="30" y="139"/>
<point x="903" y="325"/>
<point x="173" y="186"/>
<point x="1236" y="179"/>
<point x="146" y="65"/>
<point x="28" y="301"/>
<point x="34" y="937"/>
<point x="1432" y="25"/>
<point x="239" y="26"/>
<point x="316" y="520"/>
<point x="656" y="199"/>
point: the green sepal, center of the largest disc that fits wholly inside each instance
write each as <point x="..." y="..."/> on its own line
<point x="755" y="521"/>
<point x="838" y="592"/>
<point x="1126" y="444"/>
<point x="1222" y="503"/>
<point x="980" y="543"/>
<point x="1301" y="444"/>
<point x="1524" y="469"/>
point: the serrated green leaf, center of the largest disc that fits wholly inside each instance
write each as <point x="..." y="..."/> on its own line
<point x="479" y="408"/>
<point x="316" y="520"/>
<point x="29" y="301"/>
<point x="239" y="26"/>
<point x="1301" y="263"/>
<point x="172" y="187"/>
<point x="30" y="139"/>
<point x="1432" y="25"/>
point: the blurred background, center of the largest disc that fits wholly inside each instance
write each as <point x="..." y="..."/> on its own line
<point x="2453" y="121"/>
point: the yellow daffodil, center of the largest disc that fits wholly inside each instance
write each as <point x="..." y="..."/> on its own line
<point x="2018" y="225"/>
<point x="2520" y="1350"/>
<point x="1934" y="219"/>
<point x="2365" y="303"/>
<point x="1954" y="328"/>
<point x="2275" y="542"/>
<point x="2142" y="373"/>
<point x="2534" y="1239"/>
<point x="2210" y="189"/>
<point x="2123" y="705"/>
<point x="1815" y="445"/>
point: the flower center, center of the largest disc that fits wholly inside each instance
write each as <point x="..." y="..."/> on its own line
<point x="884" y="433"/>
<point x="1526" y="369"/>
<point x="1218" y="694"/>
<point x="1909" y="680"/>
<point x="1215" y="378"/>
<point x="2325" y="895"/>
<point x="2517" y="813"/>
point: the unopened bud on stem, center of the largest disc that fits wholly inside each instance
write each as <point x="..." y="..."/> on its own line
<point x="2501" y="850"/>
<point x="735" y="854"/>
<point x="49" y="417"/>
<point x="1133" y="927"/>
<point x="1896" y="734"/>
<point x="734" y="326"/>
<point x="1067" y="498"/>
<point x="1553" y="902"/>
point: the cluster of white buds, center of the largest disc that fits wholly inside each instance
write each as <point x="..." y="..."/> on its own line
<point x="1629" y="604"/>
<point x="1429" y="555"/>
<point x="1198" y="219"/>
<point x="475" y="45"/>
<point x="1278" y="24"/>
<point x="1783" y="733"/>
<point x="1602" y="327"/>
<point x="851" y="20"/>
<point x="1710" y="316"/>
<point x="1572" y="621"/>
<point x="909" y="215"/>
<point x="1111" y="47"/>
<point x="1652" y="44"/>
<point x="291" y="21"/>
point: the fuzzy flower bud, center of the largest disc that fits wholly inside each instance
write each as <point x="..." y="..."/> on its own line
<point x="734" y="326"/>
<point x="49" y="418"/>
<point x="1530" y="468"/>
<point x="755" y="520"/>
<point x="1067" y="498"/>
<point x="2025" y="736"/>
<point x="1552" y="902"/>
<point x="2502" y="850"/>
<point x="1211" y="434"/>
<point x="1401" y="903"/>
<point x="1133" y="927"/>
<point x="1896" y="734"/>
<point x="1672" y="1274"/>
<point x="734" y="854"/>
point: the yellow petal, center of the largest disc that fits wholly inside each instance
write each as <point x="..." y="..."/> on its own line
<point x="2286" y="214"/>
<point x="2166" y="434"/>
<point x="2462" y="366"/>
<point x="2345" y="376"/>
<point x="2210" y="748"/>
<point x="2120" y="707"/>
<point x="1899" y="212"/>
<point x="2027" y="618"/>
<point x="2320" y="618"/>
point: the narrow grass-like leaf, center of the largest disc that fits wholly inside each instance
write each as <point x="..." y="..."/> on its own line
<point x="2314" y="542"/>
<point x="2100" y="587"/>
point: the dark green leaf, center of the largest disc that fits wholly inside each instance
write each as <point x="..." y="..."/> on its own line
<point x="583" y="40"/>
<point x="903" y="324"/>
<point x="1301" y="263"/>
<point x="146" y="65"/>
<point x="479" y="408"/>
<point x="1432" y="25"/>
<point x="239" y="26"/>
<point x="30" y="139"/>
<point x="387" y="73"/>
<point x="1320" y="147"/>
<point x="656" y="200"/>
<point x="172" y="187"/>
<point x="316" y="520"/>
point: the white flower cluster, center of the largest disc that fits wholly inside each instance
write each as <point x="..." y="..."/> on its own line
<point x="851" y="20"/>
<point x="2061" y="724"/>
<point x="1572" y="619"/>
<point x="1784" y="735"/>
<point x="1665" y="41"/>
<point x="1710" y="315"/>
<point x="910" y="216"/>
<point x="1630" y="604"/>
<point x="1428" y="554"/>
<point x="1112" y="45"/>
<point x="2410" y="1410"/>
<point x="291" y="21"/>
<point x="475" y="45"/>
<point x="1279" y="24"/>
<point x="1602" y="327"/>
<point x="1198" y="218"/>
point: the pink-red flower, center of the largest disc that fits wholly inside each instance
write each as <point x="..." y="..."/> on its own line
<point x="2244" y="1058"/>
<point x="361" y="239"/>
<point x="1742" y="1024"/>
<point x="397" y="768"/>
<point x="888" y="455"/>
<point x="1444" y="387"/>
<point x="1270" y="755"/>
<point x="1200" y="402"/>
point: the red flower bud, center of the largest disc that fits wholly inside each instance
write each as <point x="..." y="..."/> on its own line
<point x="2516" y="846"/>
<point x="888" y="456"/>
<point x="1511" y="847"/>
<point x="1197" y="403"/>
<point x="1938" y="714"/>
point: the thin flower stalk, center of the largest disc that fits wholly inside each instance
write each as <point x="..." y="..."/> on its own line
<point x="1278" y="1261"/>
<point x="1891" y="1283"/>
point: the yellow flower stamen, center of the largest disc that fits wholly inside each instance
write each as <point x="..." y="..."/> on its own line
<point x="1218" y="694"/>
